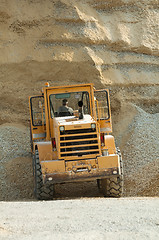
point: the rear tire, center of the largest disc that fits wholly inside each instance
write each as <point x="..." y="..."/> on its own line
<point x="41" y="191"/>
<point x="113" y="187"/>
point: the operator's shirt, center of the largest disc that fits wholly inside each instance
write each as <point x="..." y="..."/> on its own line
<point x="64" y="109"/>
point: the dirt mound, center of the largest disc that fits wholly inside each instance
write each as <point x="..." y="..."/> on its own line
<point x="136" y="132"/>
<point x="14" y="141"/>
<point x="145" y="182"/>
<point x="137" y="135"/>
<point x="14" y="164"/>
<point x="18" y="180"/>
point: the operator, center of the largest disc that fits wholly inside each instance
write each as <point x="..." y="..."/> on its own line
<point x="64" y="110"/>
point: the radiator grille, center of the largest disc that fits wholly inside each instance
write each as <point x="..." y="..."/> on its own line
<point x="79" y="143"/>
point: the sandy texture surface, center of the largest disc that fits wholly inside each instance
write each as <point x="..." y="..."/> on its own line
<point x="113" y="44"/>
<point x="98" y="218"/>
<point x="70" y="41"/>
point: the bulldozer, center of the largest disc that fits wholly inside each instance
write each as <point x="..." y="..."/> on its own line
<point x="71" y="140"/>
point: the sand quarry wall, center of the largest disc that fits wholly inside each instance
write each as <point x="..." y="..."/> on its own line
<point x="111" y="43"/>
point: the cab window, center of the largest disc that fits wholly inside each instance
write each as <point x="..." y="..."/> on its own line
<point x="102" y="103"/>
<point x="37" y="110"/>
<point x="59" y="103"/>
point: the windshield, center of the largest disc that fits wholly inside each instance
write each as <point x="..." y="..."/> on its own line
<point x="67" y="104"/>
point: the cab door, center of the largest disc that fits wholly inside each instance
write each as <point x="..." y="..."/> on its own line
<point x="37" y="118"/>
<point x="103" y="112"/>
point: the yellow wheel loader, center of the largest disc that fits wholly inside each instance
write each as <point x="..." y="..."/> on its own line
<point x="71" y="140"/>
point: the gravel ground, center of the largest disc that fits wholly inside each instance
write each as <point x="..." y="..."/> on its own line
<point x="14" y="141"/>
<point x="141" y="155"/>
<point x="128" y="218"/>
<point x="15" y="167"/>
<point x="143" y="142"/>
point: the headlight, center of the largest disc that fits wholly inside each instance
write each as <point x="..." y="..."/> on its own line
<point x="93" y="125"/>
<point x="62" y="128"/>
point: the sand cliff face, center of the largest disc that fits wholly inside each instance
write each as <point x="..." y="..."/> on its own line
<point x="104" y="42"/>
<point x="113" y="43"/>
<point x="117" y="40"/>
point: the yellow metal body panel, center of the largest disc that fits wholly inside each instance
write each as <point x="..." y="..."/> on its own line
<point x="81" y="170"/>
<point x="45" y="151"/>
<point x="109" y="143"/>
<point x="54" y="154"/>
<point x="60" y="166"/>
<point x="53" y="166"/>
<point x="82" y="157"/>
<point x="105" y="126"/>
<point x="81" y="164"/>
<point x="81" y="126"/>
<point x="108" y="161"/>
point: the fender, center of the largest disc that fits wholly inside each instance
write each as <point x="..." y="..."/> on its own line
<point x="48" y="164"/>
<point x="45" y="150"/>
<point x="110" y="144"/>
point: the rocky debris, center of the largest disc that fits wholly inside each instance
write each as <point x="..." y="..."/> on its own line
<point x="141" y="155"/>
<point x="16" y="180"/>
<point x="14" y="141"/>
<point x="15" y="164"/>
<point x="139" y="145"/>
<point x="137" y="135"/>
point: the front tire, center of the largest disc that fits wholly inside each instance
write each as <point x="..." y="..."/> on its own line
<point x="41" y="191"/>
<point x="113" y="187"/>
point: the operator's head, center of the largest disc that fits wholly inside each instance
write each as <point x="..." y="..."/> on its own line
<point x="64" y="102"/>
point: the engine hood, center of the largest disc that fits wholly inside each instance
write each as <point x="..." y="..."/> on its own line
<point x="71" y="122"/>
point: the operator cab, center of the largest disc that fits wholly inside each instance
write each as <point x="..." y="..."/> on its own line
<point x="72" y="104"/>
